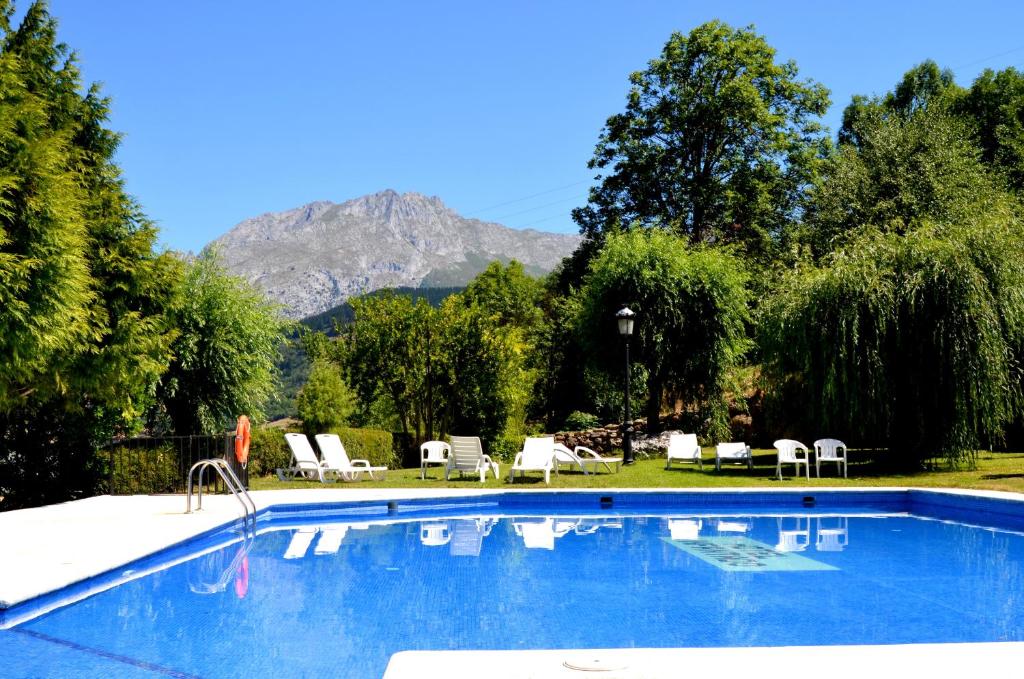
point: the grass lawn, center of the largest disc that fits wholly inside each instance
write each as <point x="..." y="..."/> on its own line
<point x="994" y="471"/>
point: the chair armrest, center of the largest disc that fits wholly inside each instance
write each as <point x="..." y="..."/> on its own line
<point x="359" y="463"/>
<point x="588" y="451"/>
<point x="519" y="458"/>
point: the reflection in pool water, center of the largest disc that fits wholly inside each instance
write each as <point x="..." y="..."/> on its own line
<point x="340" y="596"/>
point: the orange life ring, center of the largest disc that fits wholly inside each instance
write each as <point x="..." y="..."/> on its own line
<point x="242" y="437"/>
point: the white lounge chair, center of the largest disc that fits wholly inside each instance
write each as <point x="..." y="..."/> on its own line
<point x="331" y="537"/>
<point x="435" y="534"/>
<point x="683" y="447"/>
<point x="541" y="533"/>
<point x="832" y="538"/>
<point x="738" y="453"/>
<point x="336" y="459"/>
<point x="828" y="450"/>
<point x="467" y="455"/>
<point x="792" y="452"/>
<point x="304" y="461"/>
<point x="732" y="526"/>
<point x="684" y="529"/>
<point x="583" y="457"/>
<point x="537" y="455"/>
<point x="301" y="540"/>
<point x="468" y="536"/>
<point x="794" y="534"/>
<point x="433" y="452"/>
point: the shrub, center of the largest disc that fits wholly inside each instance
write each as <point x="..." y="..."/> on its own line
<point x="504" y="448"/>
<point x="325" y="402"/>
<point x="580" y="421"/>
<point x="374" y="445"/>
<point x="268" y="451"/>
<point x="136" y="471"/>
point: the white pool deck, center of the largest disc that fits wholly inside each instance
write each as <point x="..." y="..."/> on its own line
<point x="48" y="548"/>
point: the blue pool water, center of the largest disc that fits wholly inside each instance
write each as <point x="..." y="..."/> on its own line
<point x="338" y="594"/>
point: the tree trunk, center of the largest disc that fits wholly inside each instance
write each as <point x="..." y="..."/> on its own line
<point x="655" y="387"/>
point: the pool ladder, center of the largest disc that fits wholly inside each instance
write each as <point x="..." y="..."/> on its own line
<point x="227" y="474"/>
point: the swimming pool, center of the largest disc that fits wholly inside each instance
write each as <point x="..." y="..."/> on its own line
<point x="337" y="589"/>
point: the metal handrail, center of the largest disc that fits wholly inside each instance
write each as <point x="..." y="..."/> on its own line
<point x="230" y="480"/>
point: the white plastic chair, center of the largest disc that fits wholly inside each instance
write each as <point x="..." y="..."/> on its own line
<point x="832" y="538"/>
<point x="583" y="457"/>
<point x="435" y="534"/>
<point x="792" y="452"/>
<point x="683" y="447"/>
<point x="738" y="453"/>
<point x="828" y="450"/>
<point x="467" y="455"/>
<point x="336" y="459"/>
<point x="537" y="455"/>
<point x="796" y="537"/>
<point x="433" y="452"/>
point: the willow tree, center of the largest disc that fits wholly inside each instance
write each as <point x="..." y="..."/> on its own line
<point x="691" y="306"/>
<point x="229" y="338"/>
<point x="911" y="342"/>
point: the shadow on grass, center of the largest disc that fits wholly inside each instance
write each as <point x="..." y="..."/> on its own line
<point x="996" y="477"/>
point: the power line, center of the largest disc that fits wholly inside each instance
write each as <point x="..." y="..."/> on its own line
<point x="541" y="207"/>
<point x="519" y="200"/>
<point x="994" y="56"/>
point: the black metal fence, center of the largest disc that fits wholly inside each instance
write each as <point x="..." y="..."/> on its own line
<point x="148" y="465"/>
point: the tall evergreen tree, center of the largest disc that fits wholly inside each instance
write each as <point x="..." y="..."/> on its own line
<point x="83" y="294"/>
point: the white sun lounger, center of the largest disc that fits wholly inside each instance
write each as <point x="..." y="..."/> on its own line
<point x="683" y="447"/>
<point x="537" y="455"/>
<point x="302" y="538"/>
<point x="684" y="529"/>
<point x="467" y="455"/>
<point x="583" y="457"/>
<point x="336" y="459"/>
<point x="468" y="536"/>
<point x="733" y="452"/>
<point x="541" y="533"/>
<point x="304" y="461"/>
<point x="331" y="537"/>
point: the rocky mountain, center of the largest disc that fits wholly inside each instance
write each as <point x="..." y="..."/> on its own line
<point x="316" y="256"/>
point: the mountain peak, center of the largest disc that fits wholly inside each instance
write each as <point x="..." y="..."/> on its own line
<point x="314" y="257"/>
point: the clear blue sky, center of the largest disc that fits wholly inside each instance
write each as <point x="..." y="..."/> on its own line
<point x="233" y="108"/>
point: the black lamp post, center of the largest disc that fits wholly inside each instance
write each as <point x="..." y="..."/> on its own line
<point x="625" y="317"/>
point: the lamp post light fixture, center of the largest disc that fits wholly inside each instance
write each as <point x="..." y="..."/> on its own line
<point x="625" y="317"/>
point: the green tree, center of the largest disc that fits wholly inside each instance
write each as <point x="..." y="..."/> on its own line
<point x="83" y="295"/>
<point x="900" y="171"/>
<point x="717" y="143"/>
<point x="224" y="356"/>
<point x="925" y="87"/>
<point x="911" y="342"/>
<point x="325" y="402"/>
<point x="507" y="294"/>
<point x="384" y="352"/>
<point x="691" y="306"/>
<point x="995" y="102"/>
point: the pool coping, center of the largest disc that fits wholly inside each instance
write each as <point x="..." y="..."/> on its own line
<point x="60" y="554"/>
